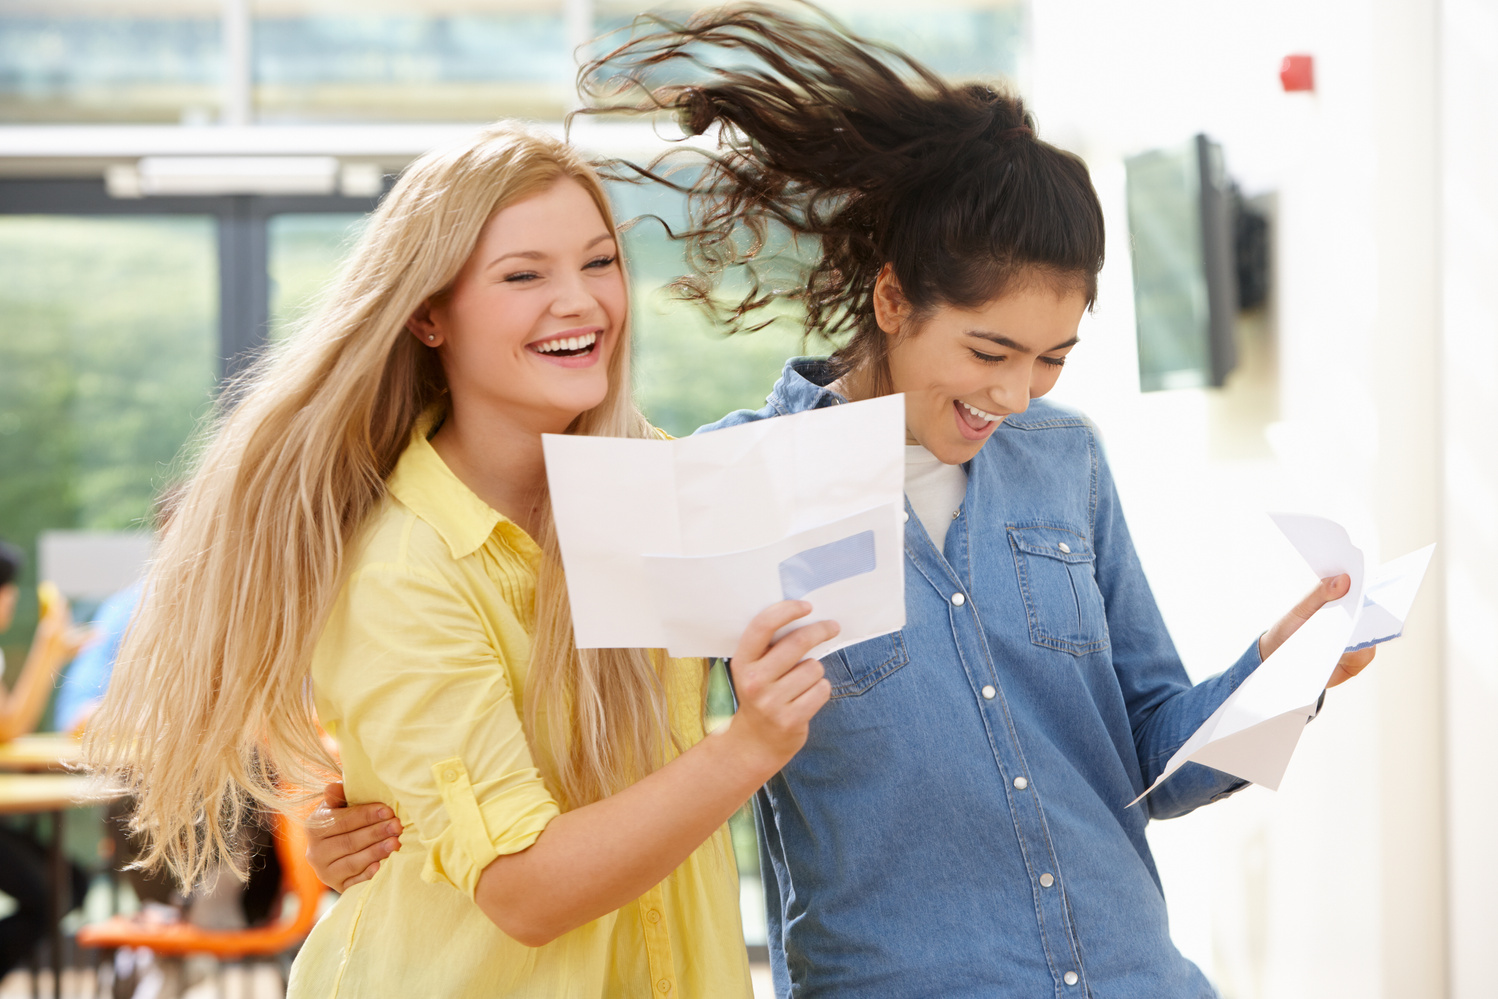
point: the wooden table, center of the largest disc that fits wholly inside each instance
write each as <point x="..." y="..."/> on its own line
<point x="41" y="751"/>
<point x="52" y="794"/>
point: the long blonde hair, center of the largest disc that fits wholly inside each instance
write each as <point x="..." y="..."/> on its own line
<point x="209" y="714"/>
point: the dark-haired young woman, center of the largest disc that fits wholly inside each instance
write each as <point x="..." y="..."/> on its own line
<point x="955" y="825"/>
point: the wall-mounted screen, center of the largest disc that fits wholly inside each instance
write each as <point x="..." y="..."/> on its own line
<point x="1182" y="222"/>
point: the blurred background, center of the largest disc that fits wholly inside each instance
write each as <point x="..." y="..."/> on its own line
<point x="1291" y="318"/>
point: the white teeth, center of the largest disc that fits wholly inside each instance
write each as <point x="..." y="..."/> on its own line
<point x="567" y="343"/>
<point x="978" y="412"/>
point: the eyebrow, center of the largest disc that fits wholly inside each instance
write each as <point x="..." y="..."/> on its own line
<point x="538" y="255"/>
<point x="1004" y="341"/>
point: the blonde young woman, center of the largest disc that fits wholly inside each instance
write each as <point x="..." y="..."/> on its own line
<point x="371" y="515"/>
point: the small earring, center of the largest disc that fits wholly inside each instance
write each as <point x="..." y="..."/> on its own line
<point x="431" y="336"/>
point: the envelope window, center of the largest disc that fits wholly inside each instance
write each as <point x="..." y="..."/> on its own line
<point x="826" y="564"/>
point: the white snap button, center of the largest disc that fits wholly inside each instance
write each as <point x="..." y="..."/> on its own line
<point x="1064" y="547"/>
<point x="904" y="516"/>
<point x="1070" y="978"/>
<point x="1020" y="783"/>
<point x="1046" y="881"/>
<point x="958" y="599"/>
<point x="989" y="693"/>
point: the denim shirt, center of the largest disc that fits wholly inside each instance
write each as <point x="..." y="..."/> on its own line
<point x="957" y="823"/>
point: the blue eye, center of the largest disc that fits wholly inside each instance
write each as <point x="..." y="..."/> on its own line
<point x="602" y="262"/>
<point x="521" y="276"/>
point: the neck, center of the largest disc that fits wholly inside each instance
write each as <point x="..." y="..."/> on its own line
<point x="498" y="455"/>
<point x="858" y="385"/>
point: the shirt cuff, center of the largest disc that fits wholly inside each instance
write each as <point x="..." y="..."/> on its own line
<point x="478" y="832"/>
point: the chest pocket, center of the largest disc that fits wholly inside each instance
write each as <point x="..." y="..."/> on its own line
<point x="856" y="668"/>
<point x="1062" y="601"/>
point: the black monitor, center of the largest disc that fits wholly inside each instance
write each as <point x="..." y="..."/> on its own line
<point x="1183" y="227"/>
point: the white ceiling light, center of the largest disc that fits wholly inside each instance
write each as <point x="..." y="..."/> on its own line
<point x="204" y="176"/>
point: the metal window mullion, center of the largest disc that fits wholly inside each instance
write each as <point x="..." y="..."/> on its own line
<point x="244" y="282"/>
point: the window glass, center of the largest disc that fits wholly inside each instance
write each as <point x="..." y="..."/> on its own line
<point x="305" y="251"/>
<point x="439" y="60"/>
<point x="957" y="38"/>
<point x="108" y="355"/>
<point x="122" y="60"/>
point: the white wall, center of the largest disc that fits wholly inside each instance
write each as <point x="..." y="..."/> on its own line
<point x="1337" y="885"/>
<point x="1469" y="261"/>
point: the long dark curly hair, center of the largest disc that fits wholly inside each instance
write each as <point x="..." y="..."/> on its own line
<point x="852" y="144"/>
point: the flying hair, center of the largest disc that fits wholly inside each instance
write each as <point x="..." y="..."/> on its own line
<point x="856" y="148"/>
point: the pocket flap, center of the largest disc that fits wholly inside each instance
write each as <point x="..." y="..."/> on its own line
<point x="1052" y="542"/>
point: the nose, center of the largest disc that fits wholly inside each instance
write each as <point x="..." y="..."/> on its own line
<point x="572" y="297"/>
<point x="1011" y="394"/>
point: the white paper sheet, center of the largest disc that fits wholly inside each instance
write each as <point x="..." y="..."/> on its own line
<point x="677" y="544"/>
<point x="1254" y="732"/>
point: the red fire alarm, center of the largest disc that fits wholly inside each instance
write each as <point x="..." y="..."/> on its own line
<point x="1297" y="73"/>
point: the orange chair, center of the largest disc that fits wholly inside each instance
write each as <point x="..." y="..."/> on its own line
<point x="257" y="942"/>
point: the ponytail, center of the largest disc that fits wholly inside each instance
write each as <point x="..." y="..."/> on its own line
<point x="853" y="145"/>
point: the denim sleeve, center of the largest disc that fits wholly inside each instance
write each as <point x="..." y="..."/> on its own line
<point x="1163" y="706"/>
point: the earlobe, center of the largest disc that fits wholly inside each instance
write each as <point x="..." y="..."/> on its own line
<point x="422" y="327"/>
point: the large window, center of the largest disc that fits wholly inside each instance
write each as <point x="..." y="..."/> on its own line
<point x="118" y="314"/>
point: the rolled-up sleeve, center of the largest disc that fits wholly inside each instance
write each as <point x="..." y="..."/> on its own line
<point x="410" y="672"/>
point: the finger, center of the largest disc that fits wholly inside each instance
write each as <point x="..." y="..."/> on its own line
<point x="812" y="700"/>
<point x="358" y="866"/>
<point x="798" y="680"/>
<point x="761" y="630"/>
<point x="360" y="822"/>
<point x="332" y="795"/>
<point x="791" y="649"/>
<point x="1329" y="589"/>
<point x="1350" y="665"/>
<point x="363" y="875"/>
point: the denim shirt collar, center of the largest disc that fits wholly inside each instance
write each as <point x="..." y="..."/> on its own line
<point x="803" y="385"/>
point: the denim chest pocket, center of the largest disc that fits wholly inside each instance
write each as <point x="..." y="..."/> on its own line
<point x="1062" y="600"/>
<point x="856" y="668"/>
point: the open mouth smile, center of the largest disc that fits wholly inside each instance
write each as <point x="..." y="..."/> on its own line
<point x="974" y="423"/>
<point x="578" y="345"/>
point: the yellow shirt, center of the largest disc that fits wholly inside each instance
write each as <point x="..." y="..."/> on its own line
<point x="418" y="675"/>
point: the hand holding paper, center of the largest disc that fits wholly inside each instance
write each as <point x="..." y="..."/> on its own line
<point x="1254" y="732"/>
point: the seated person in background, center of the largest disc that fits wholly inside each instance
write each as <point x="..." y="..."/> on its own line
<point x="22" y="859"/>
<point x="54" y="642"/>
<point x="84" y="683"/>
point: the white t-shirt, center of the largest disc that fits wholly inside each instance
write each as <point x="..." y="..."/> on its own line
<point x="936" y="491"/>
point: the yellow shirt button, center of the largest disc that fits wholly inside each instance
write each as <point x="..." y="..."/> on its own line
<point x="653" y="916"/>
<point x="664" y="985"/>
<point x="449" y="775"/>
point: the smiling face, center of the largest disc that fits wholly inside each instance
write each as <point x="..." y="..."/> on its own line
<point x="964" y="370"/>
<point x="527" y="331"/>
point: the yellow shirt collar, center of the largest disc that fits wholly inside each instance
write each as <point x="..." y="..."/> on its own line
<point x="423" y="482"/>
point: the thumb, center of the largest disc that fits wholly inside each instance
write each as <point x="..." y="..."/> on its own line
<point x="332" y="795"/>
<point x="1329" y="589"/>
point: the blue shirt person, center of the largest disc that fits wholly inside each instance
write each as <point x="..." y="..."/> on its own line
<point x="956" y="824"/>
<point x="84" y="683"/>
